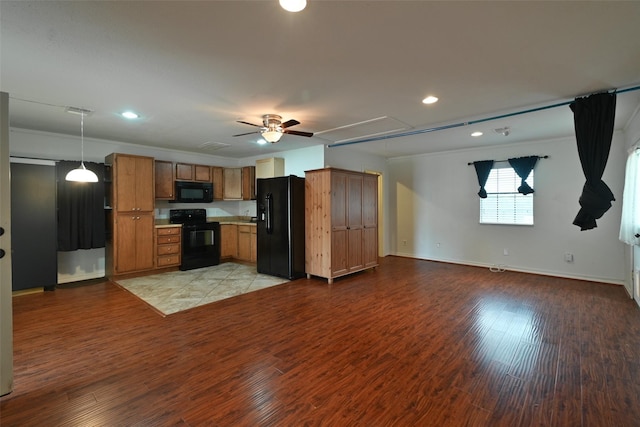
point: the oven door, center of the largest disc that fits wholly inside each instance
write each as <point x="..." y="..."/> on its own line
<point x="200" y="245"/>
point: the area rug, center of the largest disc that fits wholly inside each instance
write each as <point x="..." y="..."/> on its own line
<point x="176" y="291"/>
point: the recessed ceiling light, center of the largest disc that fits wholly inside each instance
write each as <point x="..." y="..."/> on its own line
<point x="430" y="99"/>
<point x="130" y="115"/>
<point x="293" y="5"/>
<point x="476" y="134"/>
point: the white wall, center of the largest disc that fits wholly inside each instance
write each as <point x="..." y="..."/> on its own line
<point x="296" y="161"/>
<point x="433" y="200"/>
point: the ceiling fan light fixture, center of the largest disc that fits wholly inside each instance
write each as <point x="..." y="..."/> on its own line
<point x="271" y="135"/>
<point x="81" y="174"/>
<point x="293" y="5"/>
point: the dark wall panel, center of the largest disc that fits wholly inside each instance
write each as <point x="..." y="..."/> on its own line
<point x="33" y="226"/>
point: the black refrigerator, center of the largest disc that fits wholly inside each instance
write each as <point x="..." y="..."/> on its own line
<point x="280" y="226"/>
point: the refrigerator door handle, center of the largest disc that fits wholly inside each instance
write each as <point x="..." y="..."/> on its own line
<point x="269" y="212"/>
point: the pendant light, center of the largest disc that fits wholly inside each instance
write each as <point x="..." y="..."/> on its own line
<point x="82" y="174"/>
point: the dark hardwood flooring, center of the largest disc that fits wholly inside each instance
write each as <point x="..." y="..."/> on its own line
<point x="412" y="343"/>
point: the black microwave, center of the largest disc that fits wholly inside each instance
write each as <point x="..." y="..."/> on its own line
<point x="194" y="192"/>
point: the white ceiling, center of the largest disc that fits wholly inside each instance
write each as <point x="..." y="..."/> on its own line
<point x="344" y="69"/>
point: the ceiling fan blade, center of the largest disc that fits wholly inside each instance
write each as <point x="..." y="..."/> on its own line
<point x="248" y="133"/>
<point x="247" y="123"/>
<point x="295" y="132"/>
<point x="289" y="123"/>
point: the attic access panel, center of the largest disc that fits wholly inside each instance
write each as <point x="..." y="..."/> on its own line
<point x="365" y="129"/>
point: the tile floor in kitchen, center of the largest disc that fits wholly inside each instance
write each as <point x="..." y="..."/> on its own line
<point x="180" y="290"/>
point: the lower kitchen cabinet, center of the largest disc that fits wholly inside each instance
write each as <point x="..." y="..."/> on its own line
<point x="238" y="242"/>
<point x="228" y="241"/>
<point x="247" y="247"/>
<point x="168" y="246"/>
<point x="133" y="243"/>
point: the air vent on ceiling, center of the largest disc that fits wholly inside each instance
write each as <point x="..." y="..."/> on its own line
<point x="367" y="128"/>
<point x="213" y="146"/>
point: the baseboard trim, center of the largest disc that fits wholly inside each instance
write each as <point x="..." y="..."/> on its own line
<point x="520" y="270"/>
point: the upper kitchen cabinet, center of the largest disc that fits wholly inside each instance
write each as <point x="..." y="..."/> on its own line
<point x="232" y="188"/>
<point x="239" y="183"/>
<point x="269" y="168"/>
<point x="164" y="180"/>
<point x="189" y="172"/>
<point x="217" y="177"/>
<point x="249" y="183"/>
<point x="132" y="182"/>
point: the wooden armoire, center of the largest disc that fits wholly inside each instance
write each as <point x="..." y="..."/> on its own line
<point x="341" y="226"/>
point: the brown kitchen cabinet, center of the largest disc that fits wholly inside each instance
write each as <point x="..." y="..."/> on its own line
<point x="247" y="245"/>
<point x="232" y="188"/>
<point x="228" y="241"/>
<point x="164" y="180"/>
<point x="190" y="172"/>
<point x="238" y="241"/>
<point x="132" y="183"/>
<point x="168" y="246"/>
<point x="130" y="224"/>
<point x="133" y="249"/>
<point x="239" y="183"/>
<point x="249" y="183"/>
<point x="341" y="222"/>
<point x="217" y="177"/>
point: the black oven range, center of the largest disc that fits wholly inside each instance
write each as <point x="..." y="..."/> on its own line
<point x="200" y="239"/>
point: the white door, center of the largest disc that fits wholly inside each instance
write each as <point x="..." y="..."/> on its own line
<point x="6" y="312"/>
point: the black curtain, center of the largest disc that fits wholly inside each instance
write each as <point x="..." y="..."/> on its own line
<point x="81" y="220"/>
<point x="523" y="167"/>
<point x="483" y="169"/>
<point x="594" y="121"/>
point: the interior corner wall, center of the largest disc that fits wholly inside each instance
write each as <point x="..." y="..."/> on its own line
<point x="361" y="161"/>
<point x="434" y="213"/>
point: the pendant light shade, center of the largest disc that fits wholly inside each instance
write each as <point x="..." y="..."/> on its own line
<point x="81" y="174"/>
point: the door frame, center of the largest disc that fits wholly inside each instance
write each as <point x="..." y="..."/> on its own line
<point x="380" y="210"/>
<point x="6" y="310"/>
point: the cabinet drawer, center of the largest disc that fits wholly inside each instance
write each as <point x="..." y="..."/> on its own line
<point x="165" y="261"/>
<point x="168" y="231"/>
<point x="163" y="240"/>
<point x="245" y="228"/>
<point x="169" y="249"/>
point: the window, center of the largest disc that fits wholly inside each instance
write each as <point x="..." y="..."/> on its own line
<point x="504" y="205"/>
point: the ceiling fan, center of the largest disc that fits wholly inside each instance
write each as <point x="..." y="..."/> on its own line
<point x="273" y="128"/>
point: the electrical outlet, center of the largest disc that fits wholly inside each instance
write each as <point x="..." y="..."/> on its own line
<point x="568" y="257"/>
<point x="437" y="245"/>
<point x="505" y="252"/>
<point x="404" y="243"/>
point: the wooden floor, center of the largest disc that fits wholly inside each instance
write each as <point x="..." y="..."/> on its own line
<point x="413" y="343"/>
